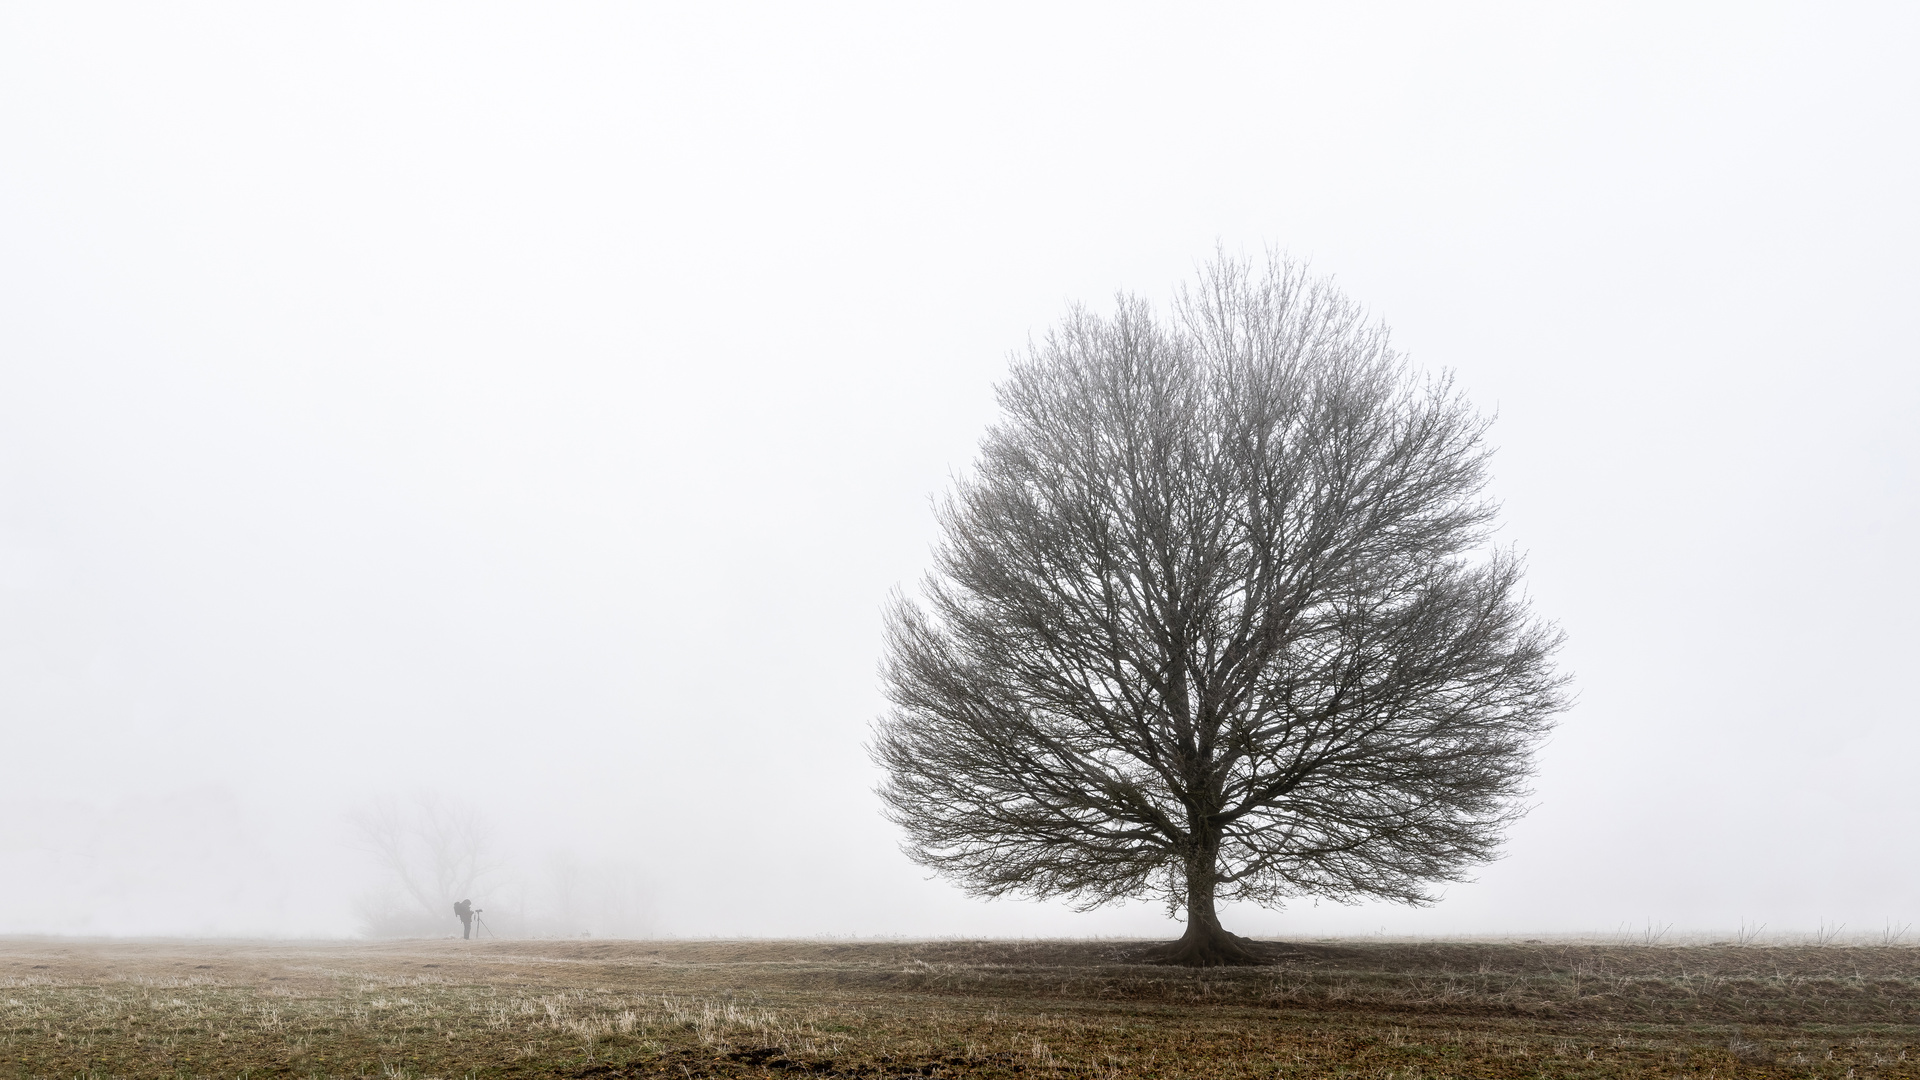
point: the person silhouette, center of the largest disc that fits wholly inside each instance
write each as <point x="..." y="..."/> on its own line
<point x="464" y="909"/>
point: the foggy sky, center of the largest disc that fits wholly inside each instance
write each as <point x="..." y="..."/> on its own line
<point x="531" y="409"/>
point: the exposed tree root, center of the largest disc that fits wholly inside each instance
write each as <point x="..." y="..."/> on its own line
<point x="1215" y="948"/>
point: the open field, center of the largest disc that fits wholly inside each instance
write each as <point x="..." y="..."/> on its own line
<point x="960" y="1009"/>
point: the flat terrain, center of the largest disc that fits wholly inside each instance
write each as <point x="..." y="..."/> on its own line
<point x="950" y="1008"/>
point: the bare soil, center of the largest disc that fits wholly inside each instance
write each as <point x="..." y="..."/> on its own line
<point x="951" y="1008"/>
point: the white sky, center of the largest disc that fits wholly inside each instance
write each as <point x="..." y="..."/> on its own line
<point x="534" y="405"/>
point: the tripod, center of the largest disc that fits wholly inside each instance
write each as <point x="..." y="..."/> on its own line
<point x="483" y="924"/>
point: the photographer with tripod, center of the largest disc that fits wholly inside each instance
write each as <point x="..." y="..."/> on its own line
<point x="468" y="915"/>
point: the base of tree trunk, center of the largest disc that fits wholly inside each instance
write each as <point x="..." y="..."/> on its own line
<point x="1210" y="948"/>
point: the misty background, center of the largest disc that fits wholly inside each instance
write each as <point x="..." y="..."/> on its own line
<point x="512" y="420"/>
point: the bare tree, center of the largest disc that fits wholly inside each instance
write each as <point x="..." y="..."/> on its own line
<point x="430" y="853"/>
<point x="1215" y="617"/>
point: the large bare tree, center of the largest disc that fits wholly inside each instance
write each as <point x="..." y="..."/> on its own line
<point x="1216" y="617"/>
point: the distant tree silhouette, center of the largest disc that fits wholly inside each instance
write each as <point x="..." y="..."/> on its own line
<point x="430" y="853"/>
<point x="1215" y="617"/>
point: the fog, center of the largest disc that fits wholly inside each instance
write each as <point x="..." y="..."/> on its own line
<point x="520" y="416"/>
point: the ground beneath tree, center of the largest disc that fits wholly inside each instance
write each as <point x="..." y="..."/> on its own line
<point x="952" y="1008"/>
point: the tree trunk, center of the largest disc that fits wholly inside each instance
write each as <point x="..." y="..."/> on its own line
<point x="1206" y="943"/>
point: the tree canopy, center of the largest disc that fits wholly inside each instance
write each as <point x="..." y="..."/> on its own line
<point x="1216" y="616"/>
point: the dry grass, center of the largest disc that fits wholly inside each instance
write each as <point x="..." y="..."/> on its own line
<point x="1031" y="1010"/>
